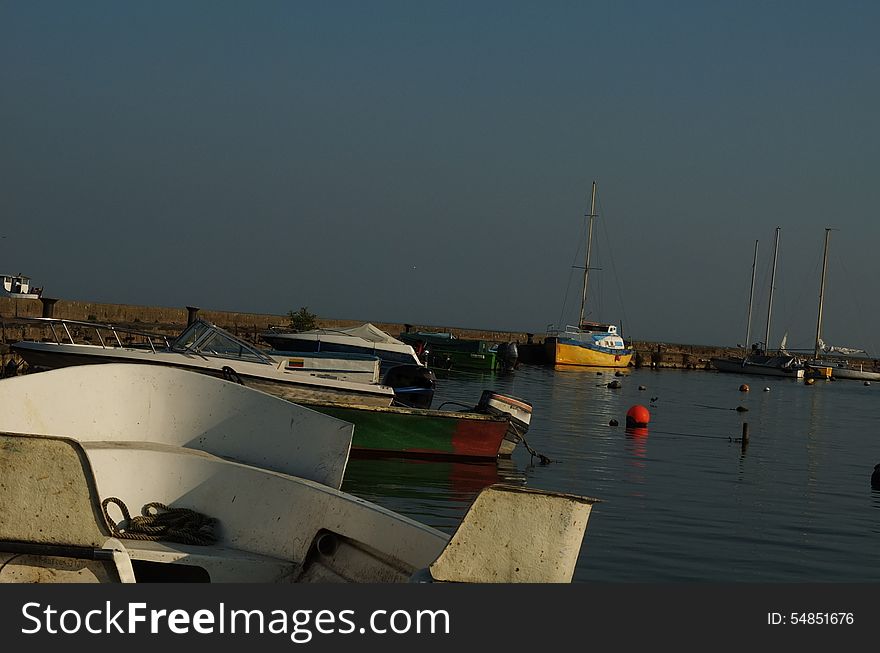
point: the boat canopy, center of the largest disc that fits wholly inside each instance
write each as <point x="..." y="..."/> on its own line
<point x="367" y="331"/>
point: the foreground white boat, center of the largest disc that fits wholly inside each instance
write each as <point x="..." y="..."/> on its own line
<point x="76" y="441"/>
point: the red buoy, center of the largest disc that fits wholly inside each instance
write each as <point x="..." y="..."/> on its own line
<point x="638" y="416"/>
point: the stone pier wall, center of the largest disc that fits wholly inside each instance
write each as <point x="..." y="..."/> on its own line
<point x="172" y="320"/>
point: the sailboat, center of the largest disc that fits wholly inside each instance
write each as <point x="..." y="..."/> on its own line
<point x="759" y="361"/>
<point x="836" y="362"/>
<point x="593" y="344"/>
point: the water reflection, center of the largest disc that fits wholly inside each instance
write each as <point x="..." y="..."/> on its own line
<point x="636" y="447"/>
<point x="438" y="493"/>
<point x="795" y="507"/>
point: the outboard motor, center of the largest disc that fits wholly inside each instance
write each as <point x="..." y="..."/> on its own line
<point x="413" y="385"/>
<point x="508" y="356"/>
<point x="519" y="410"/>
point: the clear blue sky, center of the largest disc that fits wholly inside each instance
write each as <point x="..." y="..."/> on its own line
<point x="431" y="162"/>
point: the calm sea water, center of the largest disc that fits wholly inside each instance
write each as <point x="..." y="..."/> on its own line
<point x="684" y="502"/>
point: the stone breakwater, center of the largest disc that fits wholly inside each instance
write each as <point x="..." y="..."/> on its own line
<point x="171" y="321"/>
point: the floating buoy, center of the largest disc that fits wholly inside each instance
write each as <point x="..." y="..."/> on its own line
<point x="767" y="389"/>
<point x="809" y="381"/>
<point x="641" y="387"/>
<point x="744" y="388"/>
<point x="875" y="477"/>
<point x="614" y="384"/>
<point x="612" y="422"/>
<point x="618" y="373"/>
<point x="598" y="373"/>
<point x="638" y="416"/>
<point x="867" y="383"/>
<point x="742" y="409"/>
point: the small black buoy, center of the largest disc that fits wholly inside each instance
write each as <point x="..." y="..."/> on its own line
<point x="641" y="387"/>
<point x="875" y="477"/>
<point x="867" y="383"/>
<point x="614" y="384"/>
<point x="612" y="422"/>
<point x="742" y="409"/>
<point x="618" y="373"/>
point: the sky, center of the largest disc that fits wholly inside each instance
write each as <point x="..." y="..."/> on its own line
<point x="431" y="162"/>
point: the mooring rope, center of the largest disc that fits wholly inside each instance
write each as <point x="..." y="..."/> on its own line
<point x="544" y="459"/>
<point x="172" y="524"/>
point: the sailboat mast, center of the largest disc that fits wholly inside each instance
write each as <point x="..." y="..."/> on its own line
<point x="821" y="294"/>
<point x="589" y="247"/>
<point x="772" y="285"/>
<point x="751" y="296"/>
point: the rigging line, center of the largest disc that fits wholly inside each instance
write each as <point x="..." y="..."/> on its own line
<point x="762" y="296"/>
<point x="804" y="286"/>
<point x="561" y="324"/>
<point x="870" y="347"/>
<point x="613" y="266"/>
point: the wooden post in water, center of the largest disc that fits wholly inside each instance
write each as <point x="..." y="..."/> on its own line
<point x="745" y="436"/>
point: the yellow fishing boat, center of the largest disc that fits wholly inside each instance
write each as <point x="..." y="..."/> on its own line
<point x="592" y="344"/>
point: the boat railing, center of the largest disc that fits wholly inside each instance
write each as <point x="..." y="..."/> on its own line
<point x="61" y="327"/>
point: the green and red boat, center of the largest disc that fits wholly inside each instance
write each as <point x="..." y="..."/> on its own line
<point x="490" y="430"/>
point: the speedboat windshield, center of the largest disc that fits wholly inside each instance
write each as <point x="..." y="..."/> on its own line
<point x="207" y="339"/>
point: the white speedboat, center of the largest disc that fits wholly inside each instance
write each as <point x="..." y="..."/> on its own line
<point x="255" y="478"/>
<point x="204" y="347"/>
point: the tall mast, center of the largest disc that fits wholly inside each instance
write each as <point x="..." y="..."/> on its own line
<point x="772" y="285"/>
<point x="821" y="294"/>
<point x="751" y="295"/>
<point x="589" y="247"/>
